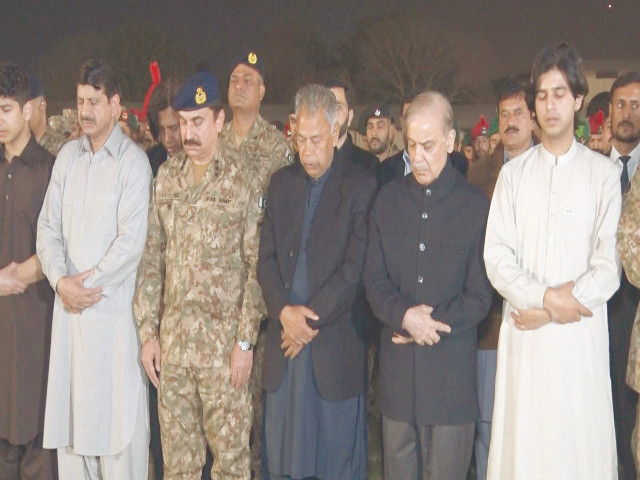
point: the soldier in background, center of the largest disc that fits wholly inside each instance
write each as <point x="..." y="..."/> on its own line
<point x="480" y="139"/>
<point x="203" y="239"/>
<point x="600" y="133"/>
<point x="380" y="131"/>
<point x="45" y="135"/>
<point x="263" y="150"/>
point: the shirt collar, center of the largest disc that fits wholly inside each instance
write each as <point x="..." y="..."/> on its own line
<point x="28" y="156"/>
<point x="561" y="159"/>
<point x="505" y="156"/>
<point x="634" y="154"/>
<point x="112" y="145"/>
<point x="407" y="162"/>
<point x="441" y="186"/>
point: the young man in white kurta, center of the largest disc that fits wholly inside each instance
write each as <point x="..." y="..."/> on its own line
<point x="552" y="221"/>
<point x="91" y="233"/>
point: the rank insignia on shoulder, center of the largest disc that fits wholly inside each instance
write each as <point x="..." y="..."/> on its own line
<point x="262" y="202"/>
<point x="201" y="96"/>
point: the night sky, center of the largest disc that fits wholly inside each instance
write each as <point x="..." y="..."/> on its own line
<point x="215" y="30"/>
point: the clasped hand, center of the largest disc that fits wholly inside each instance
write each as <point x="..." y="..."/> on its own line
<point x="296" y="333"/>
<point x="563" y="306"/>
<point x="10" y="282"/>
<point x="422" y="328"/>
<point x="74" y="295"/>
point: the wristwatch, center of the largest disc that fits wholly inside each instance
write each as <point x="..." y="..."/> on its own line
<point x="245" y="346"/>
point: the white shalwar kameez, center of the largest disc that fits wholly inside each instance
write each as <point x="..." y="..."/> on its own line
<point x="553" y="220"/>
<point x="94" y="217"/>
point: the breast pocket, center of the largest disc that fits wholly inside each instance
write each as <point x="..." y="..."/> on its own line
<point x="167" y="211"/>
<point x="221" y="221"/>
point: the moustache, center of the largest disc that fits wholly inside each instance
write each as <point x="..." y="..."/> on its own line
<point x="87" y="119"/>
<point x="625" y="122"/>
<point x="512" y="130"/>
<point x="191" y="142"/>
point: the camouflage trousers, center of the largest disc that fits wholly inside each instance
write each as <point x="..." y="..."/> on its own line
<point x="197" y="405"/>
<point x="635" y="439"/>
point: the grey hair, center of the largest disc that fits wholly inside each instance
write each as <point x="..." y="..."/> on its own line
<point x="314" y="98"/>
<point x="428" y="101"/>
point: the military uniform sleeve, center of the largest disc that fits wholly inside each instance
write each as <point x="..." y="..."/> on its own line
<point x="253" y="309"/>
<point x="123" y="256"/>
<point x="151" y="277"/>
<point x="629" y="232"/>
<point x="282" y="154"/>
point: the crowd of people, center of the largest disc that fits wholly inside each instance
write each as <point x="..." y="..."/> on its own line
<point x="173" y="282"/>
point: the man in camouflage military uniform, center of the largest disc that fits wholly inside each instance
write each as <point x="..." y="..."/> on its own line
<point x="45" y="135"/>
<point x="629" y="247"/>
<point x="203" y="240"/>
<point x="263" y="150"/>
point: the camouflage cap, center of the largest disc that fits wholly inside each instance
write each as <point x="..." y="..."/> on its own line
<point x="71" y="114"/>
<point x="60" y="124"/>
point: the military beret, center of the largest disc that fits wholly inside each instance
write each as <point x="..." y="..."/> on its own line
<point x="596" y="123"/>
<point x="199" y="91"/>
<point x="493" y="126"/>
<point x="582" y="131"/>
<point x="251" y="59"/>
<point x="378" y="110"/>
<point x="35" y="87"/>
<point x="480" y="129"/>
<point x="466" y="139"/>
<point x="130" y="119"/>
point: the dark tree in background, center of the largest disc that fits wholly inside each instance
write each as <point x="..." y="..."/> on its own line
<point x="385" y="59"/>
<point x="396" y="54"/>
<point x="295" y="55"/>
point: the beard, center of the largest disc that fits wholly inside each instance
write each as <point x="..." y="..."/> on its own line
<point x="632" y="136"/>
<point x="382" y="146"/>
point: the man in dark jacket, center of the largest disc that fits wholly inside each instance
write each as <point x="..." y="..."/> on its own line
<point x="310" y="261"/>
<point x="426" y="282"/>
<point x="344" y="96"/>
